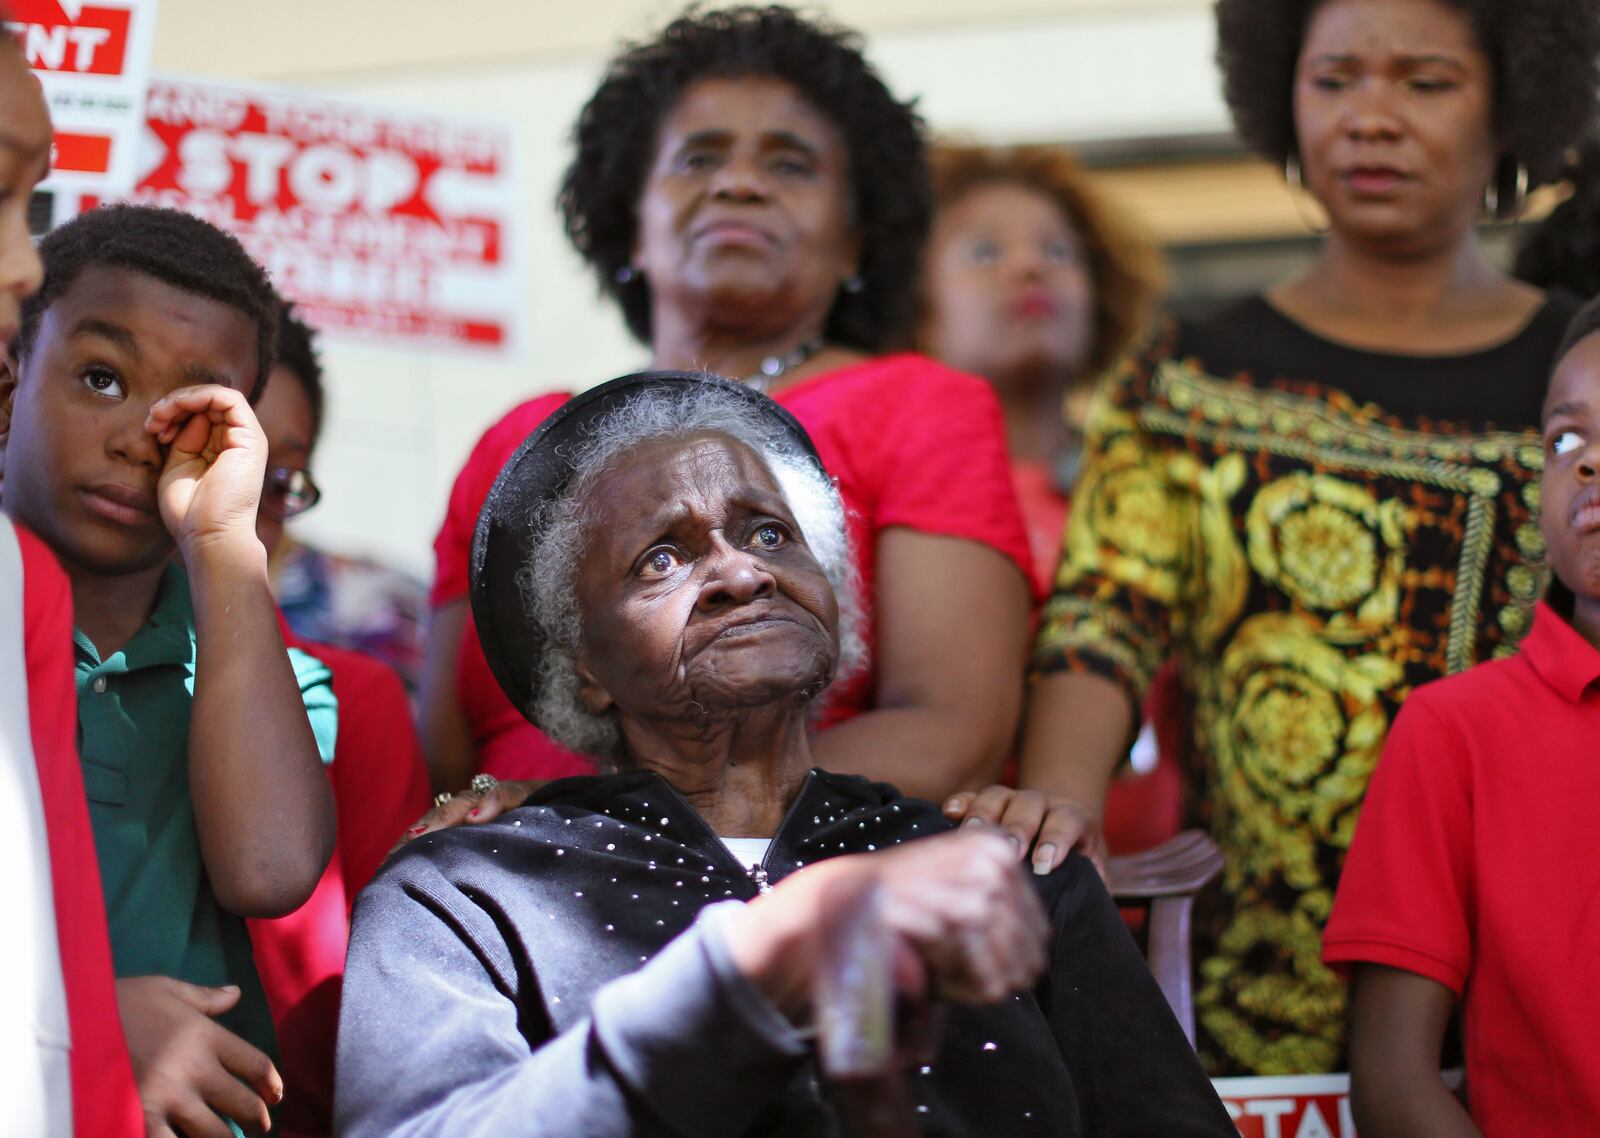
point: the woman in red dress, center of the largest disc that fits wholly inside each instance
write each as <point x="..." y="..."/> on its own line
<point x="756" y="201"/>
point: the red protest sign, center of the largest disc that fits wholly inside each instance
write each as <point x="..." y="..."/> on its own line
<point x="84" y="39"/>
<point x="81" y="153"/>
<point x="92" y="60"/>
<point x="377" y="222"/>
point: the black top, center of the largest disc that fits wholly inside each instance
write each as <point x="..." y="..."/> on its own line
<point x="1503" y="385"/>
<point x="546" y="974"/>
<point x="1314" y="530"/>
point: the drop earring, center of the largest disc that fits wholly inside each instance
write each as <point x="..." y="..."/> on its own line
<point x="1297" y="190"/>
<point x="627" y="274"/>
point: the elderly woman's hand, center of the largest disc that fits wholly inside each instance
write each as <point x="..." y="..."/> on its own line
<point x="967" y="925"/>
<point x="1044" y="827"/>
<point x="469" y="808"/>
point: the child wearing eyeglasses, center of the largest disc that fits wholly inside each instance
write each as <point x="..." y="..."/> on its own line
<point x="380" y="780"/>
<point x="326" y="597"/>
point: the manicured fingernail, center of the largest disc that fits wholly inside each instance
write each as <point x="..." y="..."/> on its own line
<point x="973" y="822"/>
<point x="473" y="813"/>
<point x="953" y="806"/>
<point x="1042" y="857"/>
<point x="1016" y="844"/>
<point x="415" y="830"/>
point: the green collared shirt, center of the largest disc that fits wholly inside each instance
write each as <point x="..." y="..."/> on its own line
<point x="133" y="727"/>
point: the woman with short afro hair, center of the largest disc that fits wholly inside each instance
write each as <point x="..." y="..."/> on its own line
<point x="755" y="199"/>
<point x="1542" y="54"/>
<point x="889" y="199"/>
<point x="1325" y="495"/>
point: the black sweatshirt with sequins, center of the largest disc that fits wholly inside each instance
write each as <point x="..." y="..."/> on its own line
<point x="561" y="972"/>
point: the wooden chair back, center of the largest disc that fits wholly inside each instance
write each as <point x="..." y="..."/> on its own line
<point x="1166" y="880"/>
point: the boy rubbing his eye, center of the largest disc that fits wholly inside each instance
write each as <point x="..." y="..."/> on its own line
<point x="1473" y="878"/>
<point x="126" y="432"/>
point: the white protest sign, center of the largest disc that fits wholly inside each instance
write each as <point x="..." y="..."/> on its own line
<point x="394" y="226"/>
<point x="93" y="61"/>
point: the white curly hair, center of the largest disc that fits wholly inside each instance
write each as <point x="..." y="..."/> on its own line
<point x="560" y="526"/>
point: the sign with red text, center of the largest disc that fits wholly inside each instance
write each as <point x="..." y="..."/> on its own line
<point x="93" y="59"/>
<point x="1296" y="1106"/>
<point x="392" y="226"/>
<point x="1289" y="1106"/>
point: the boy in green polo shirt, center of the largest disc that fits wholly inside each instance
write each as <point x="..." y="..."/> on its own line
<point x="126" y="433"/>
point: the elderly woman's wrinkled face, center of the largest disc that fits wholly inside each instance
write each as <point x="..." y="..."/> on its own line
<point x="746" y="210"/>
<point x="698" y="593"/>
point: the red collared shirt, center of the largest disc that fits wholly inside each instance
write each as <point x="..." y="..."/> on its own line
<point x="380" y="787"/>
<point x="1475" y="865"/>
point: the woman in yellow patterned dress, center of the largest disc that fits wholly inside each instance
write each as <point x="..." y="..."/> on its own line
<point x="1326" y="495"/>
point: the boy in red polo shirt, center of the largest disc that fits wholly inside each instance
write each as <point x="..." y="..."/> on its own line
<point x="1473" y="877"/>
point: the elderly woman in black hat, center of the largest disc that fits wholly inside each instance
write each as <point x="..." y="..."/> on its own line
<point x="661" y="577"/>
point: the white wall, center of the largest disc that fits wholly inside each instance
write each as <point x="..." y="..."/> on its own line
<point x="400" y="423"/>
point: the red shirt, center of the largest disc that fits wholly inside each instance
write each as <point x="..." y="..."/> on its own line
<point x="1474" y="865"/>
<point x="1044" y="513"/>
<point x="105" y="1101"/>
<point x="1142" y="809"/>
<point x="911" y="443"/>
<point x="380" y="787"/>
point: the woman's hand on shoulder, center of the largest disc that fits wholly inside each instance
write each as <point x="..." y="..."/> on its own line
<point x="1043" y="827"/>
<point x="469" y="808"/>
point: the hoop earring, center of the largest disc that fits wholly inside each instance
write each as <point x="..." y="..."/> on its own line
<point x="1519" y="194"/>
<point x="1297" y="191"/>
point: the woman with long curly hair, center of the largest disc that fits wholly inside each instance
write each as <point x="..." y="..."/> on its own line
<point x="1037" y="282"/>
<point x="1325" y="495"/>
<point x="756" y="201"/>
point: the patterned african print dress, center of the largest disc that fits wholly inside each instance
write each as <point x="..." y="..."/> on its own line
<point x="1314" y="530"/>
